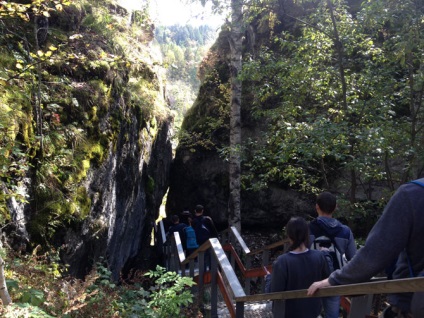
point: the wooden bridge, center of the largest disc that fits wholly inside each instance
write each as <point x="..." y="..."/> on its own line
<point x="232" y="270"/>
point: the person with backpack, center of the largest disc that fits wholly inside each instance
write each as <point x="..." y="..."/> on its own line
<point x="178" y="227"/>
<point x="205" y="229"/>
<point x="297" y="269"/>
<point x="335" y="239"/>
<point x="398" y="233"/>
<point x="190" y="235"/>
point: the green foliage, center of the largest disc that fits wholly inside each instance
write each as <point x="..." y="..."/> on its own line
<point x="169" y="293"/>
<point x="57" y="117"/>
<point x="38" y="289"/>
<point x="166" y="294"/>
<point x="206" y="123"/>
<point x="25" y="310"/>
<point x="328" y="107"/>
<point x="183" y="48"/>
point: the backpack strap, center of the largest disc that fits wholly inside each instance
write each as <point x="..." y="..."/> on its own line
<point x="324" y="231"/>
<point x="419" y="182"/>
<point x="339" y="255"/>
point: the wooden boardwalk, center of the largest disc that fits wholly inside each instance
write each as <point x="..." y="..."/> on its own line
<point x="228" y="298"/>
<point x="253" y="310"/>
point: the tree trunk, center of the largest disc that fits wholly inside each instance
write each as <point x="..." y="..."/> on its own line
<point x="4" y="294"/>
<point x="235" y="40"/>
<point x="38" y="112"/>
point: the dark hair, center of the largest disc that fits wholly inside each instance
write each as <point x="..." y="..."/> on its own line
<point x="298" y="231"/>
<point x="199" y="208"/>
<point x="175" y="218"/>
<point x="327" y="202"/>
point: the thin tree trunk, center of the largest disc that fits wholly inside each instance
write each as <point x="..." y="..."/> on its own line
<point x="414" y="112"/>
<point x="235" y="118"/>
<point x="353" y="122"/>
<point x="37" y="103"/>
<point x="4" y="294"/>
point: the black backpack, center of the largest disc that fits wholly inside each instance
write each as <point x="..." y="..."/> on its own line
<point x="333" y="256"/>
<point x="202" y="231"/>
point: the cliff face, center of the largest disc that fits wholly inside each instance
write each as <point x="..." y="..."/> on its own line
<point x="96" y="183"/>
<point x="126" y="193"/>
<point x="127" y="188"/>
<point x="200" y="169"/>
<point x="201" y="177"/>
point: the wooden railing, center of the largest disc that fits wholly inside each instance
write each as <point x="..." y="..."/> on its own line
<point x="241" y="257"/>
<point x="222" y="275"/>
<point x="356" y="291"/>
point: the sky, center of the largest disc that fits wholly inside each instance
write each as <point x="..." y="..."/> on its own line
<point x="168" y="12"/>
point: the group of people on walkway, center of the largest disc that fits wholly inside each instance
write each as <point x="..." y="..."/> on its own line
<point x="316" y="250"/>
<point x="194" y="230"/>
<point x="396" y="239"/>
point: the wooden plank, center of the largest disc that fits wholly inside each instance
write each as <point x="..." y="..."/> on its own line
<point x="240" y="240"/>
<point x="379" y="287"/>
<point x="239" y="310"/>
<point x="360" y="306"/>
<point x="270" y="247"/>
<point x="225" y="295"/>
<point x="162" y="231"/>
<point x="195" y="254"/>
<point x="214" y="287"/>
<point x="227" y="270"/>
<point x="180" y="251"/>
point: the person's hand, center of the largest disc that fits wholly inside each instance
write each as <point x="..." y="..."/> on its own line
<point x="317" y="285"/>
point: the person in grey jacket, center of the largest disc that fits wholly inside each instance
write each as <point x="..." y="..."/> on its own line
<point x="399" y="233"/>
<point x="340" y="234"/>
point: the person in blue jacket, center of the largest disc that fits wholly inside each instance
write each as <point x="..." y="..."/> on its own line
<point x="398" y="233"/>
<point x="327" y="226"/>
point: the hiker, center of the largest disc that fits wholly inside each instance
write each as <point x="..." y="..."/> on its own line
<point x="178" y="227"/>
<point x="297" y="269"/>
<point x="191" y="241"/>
<point x="185" y="215"/>
<point x="205" y="229"/>
<point x="333" y="237"/>
<point x="399" y="232"/>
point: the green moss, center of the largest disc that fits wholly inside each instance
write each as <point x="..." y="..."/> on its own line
<point x="153" y="126"/>
<point x="99" y="68"/>
<point x="82" y="203"/>
<point x="150" y="187"/>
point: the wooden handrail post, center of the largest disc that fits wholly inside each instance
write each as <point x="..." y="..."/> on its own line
<point x="360" y="306"/>
<point x="240" y="309"/>
<point x="233" y="243"/>
<point x="163" y="232"/>
<point x="192" y="263"/>
<point x="265" y="262"/>
<point x="248" y="279"/>
<point x="172" y="257"/>
<point x="201" y="281"/>
<point x="214" y="288"/>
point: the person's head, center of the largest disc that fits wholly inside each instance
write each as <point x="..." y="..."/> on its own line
<point x="297" y="230"/>
<point x="199" y="209"/>
<point x="175" y="219"/>
<point x="326" y="203"/>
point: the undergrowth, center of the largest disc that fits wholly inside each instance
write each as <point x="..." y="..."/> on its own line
<point x="39" y="288"/>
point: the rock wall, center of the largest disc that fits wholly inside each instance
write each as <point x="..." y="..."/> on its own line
<point x="126" y="193"/>
<point x="200" y="174"/>
<point x="94" y="191"/>
<point x="201" y="177"/>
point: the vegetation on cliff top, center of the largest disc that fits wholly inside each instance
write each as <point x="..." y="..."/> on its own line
<point x="70" y="73"/>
